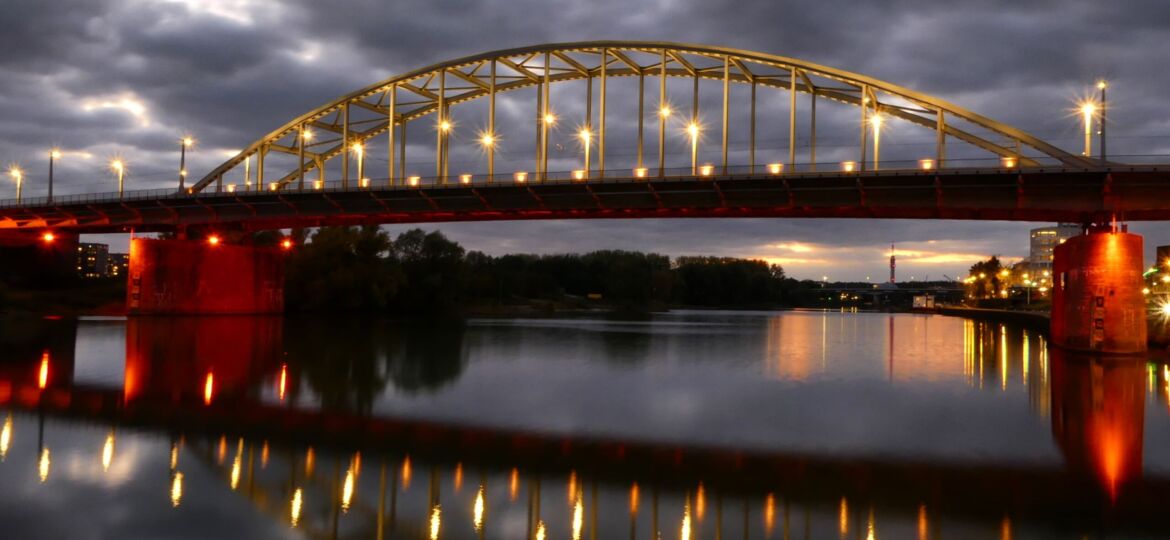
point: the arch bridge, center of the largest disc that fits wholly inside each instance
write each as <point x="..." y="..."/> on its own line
<point x="618" y="131"/>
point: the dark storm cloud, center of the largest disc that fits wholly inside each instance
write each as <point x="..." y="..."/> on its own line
<point x="128" y="77"/>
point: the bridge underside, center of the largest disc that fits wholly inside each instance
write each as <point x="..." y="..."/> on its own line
<point x="1071" y="196"/>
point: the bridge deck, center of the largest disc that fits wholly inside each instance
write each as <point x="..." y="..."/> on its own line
<point x="1082" y="195"/>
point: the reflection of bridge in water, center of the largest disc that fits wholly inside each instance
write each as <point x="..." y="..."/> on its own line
<point x="340" y="471"/>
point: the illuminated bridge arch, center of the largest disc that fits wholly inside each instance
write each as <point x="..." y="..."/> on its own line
<point x="363" y="119"/>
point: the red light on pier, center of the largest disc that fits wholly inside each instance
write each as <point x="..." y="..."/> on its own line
<point x="48" y="237"/>
<point x="213" y="240"/>
<point x="286" y="244"/>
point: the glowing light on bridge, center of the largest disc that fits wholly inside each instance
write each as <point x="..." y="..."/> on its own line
<point x="413" y="181"/>
<point x="44" y="464"/>
<point x="119" y="168"/>
<point x="214" y="241"/>
<point x="849" y="166"/>
<point x="693" y="130"/>
<point x="295" y="507"/>
<point x="664" y="112"/>
<point x="706" y="170"/>
<point x="465" y="179"/>
<point x="108" y="452"/>
<point x="436" y="522"/>
<point x="875" y="122"/>
<point x="18" y="176"/>
<point x="487" y="140"/>
<point x="286" y="245"/>
<point x="1009" y="162"/>
<point x="926" y="164"/>
<point x="209" y="381"/>
<point x="231" y="188"/>
<point x="1088" y="110"/>
<point x="775" y="168"/>
<point x="640" y="172"/>
<point x="477" y="509"/>
<point x="5" y="437"/>
<point x="176" y="489"/>
<point x="43" y="371"/>
<point x="445" y="126"/>
<point x="520" y="177"/>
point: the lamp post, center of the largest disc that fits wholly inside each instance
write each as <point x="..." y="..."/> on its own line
<point x="54" y="154"/>
<point x="17" y="175"/>
<point x="693" y="130"/>
<point x="184" y="144"/>
<point x="550" y="120"/>
<point x="1101" y="85"/>
<point x="1088" y="109"/>
<point x="120" y="168"/>
<point x="586" y="136"/>
<point x="488" y="141"/>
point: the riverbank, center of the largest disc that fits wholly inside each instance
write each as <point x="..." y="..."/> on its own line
<point x="1035" y="320"/>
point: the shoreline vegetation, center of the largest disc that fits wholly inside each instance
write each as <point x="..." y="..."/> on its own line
<point x="419" y="274"/>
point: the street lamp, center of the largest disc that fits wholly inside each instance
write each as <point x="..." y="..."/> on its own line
<point x="488" y="141"/>
<point x="1101" y="85"/>
<point x="1088" y="109"/>
<point x="693" y="130"/>
<point x="586" y="136"/>
<point x="876" y="122"/>
<point x="54" y="154"/>
<point x="360" y="150"/>
<point x="184" y="144"/>
<point x="17" y="175"/>
<point x="120" y="168"/>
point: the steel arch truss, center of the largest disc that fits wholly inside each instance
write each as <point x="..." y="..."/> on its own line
<point x="363" y="115"/>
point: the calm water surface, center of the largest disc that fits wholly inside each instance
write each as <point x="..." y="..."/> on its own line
<point x="688" y="424"/>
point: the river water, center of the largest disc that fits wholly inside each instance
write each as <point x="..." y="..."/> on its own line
<point x="799" y="424"/>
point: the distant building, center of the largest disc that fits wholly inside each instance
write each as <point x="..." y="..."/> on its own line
<point x="93" y="260"/>
<point x="118" y="264"/>
<point x="1044" y="240"/>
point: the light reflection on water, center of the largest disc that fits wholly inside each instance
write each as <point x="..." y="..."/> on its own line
<point x="797" y="424"/>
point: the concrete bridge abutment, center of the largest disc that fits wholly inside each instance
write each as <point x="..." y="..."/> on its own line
<point x="203" y="277"/>
<point x="1097" y="300"/>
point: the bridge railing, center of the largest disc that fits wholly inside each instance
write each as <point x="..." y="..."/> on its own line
<point x="704" y="171"/>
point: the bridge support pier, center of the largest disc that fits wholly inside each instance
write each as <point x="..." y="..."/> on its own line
<point x="200" y="277"/>
<point x="1097" y="300"/>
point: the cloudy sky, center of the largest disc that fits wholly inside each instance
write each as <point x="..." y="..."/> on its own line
<point x="103" y="78"/>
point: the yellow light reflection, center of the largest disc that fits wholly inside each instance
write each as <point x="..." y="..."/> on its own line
<point x="174" y="455"/>
<point x="458" y="477"/>
<point x="310" y="460"/>
<point x="634" y="498"/>
<point x="295" y="507"/>
<point x="235" y="475"/>
<point x="347" y="490"/>
<point x="5" y="437"/>
<point x="769" y="513"/>
<point x="478" y="509"/>
<point x="436" y="521"/>
<point x="578" y="518"/>
<point x="843" y="518"/>
<point x="572" y="486"/>
<point x="176" y="489"/>
<point x="222" y="452"/>
<point x="870" y="533"/>
<point x="540" y="530"/>
<point x="406" y="472"/>
<point x="514" y="484"/>
<point x="923" y="524"/>
<point x="700" y="502"/>
<point x="208" y="384"/>
<point x="1005" y="529"/>
<point x="44" y="464"/>
<point x="685" y="530"/>
<point x="108" y="452"/>
<point x="264" y="455"/>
